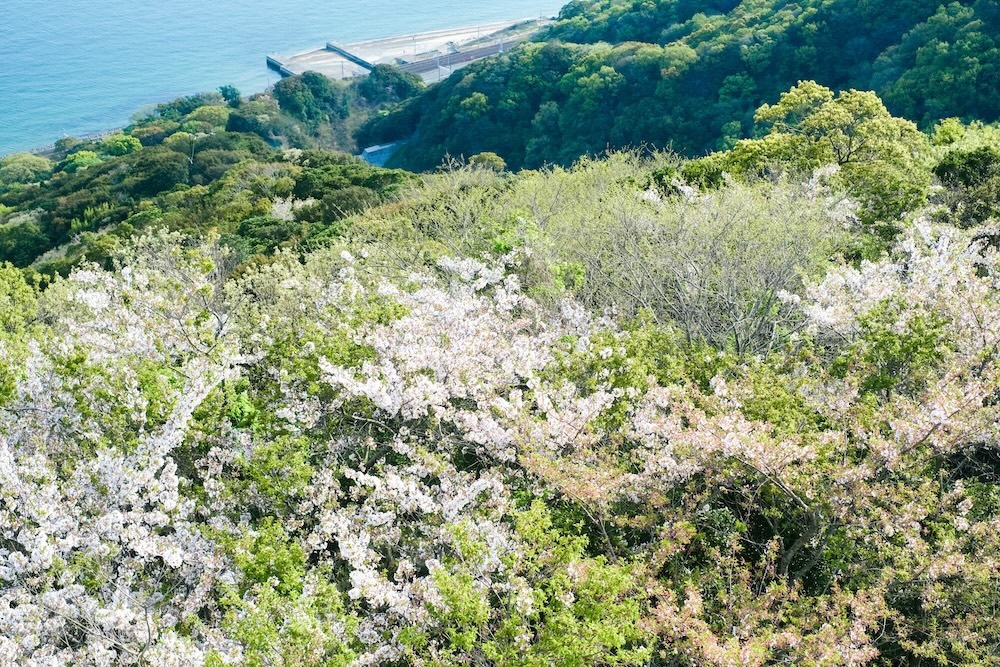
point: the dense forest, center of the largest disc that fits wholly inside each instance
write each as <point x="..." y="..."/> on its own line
<point x="206" y="162"/>
<point x="264" y="404"/>
<point x="688" y="75"/>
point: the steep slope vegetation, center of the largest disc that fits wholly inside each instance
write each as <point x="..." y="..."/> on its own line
<point x="197" y="165"/>
<point x="689" y="75"/>
<point x="583" y="416"/>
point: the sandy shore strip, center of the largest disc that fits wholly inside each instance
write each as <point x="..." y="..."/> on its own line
<point x="402" y="49"/>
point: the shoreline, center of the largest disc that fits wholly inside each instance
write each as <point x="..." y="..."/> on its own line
<point x="49" y="149"/>
<point x="431" y="54"/>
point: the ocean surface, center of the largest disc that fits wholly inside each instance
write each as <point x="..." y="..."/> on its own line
<point x="76" y="67"/>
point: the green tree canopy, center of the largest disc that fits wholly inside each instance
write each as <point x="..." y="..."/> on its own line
<point x="23" y="168"/>
<point x="120" y="144"/>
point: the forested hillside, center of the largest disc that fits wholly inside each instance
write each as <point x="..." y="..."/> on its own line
<point x="263" y="404"/>
<point x="740" y="410"/>
<point x="196" y="165"/>
<point x="689" y="76"/>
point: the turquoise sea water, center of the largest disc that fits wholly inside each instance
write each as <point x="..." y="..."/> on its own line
<point x="74" y="67"/>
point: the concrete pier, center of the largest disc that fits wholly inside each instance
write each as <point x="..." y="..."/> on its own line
<point x="278" y="67"/>
<point x="430" y="55"/>
<point x="345" y="52"/>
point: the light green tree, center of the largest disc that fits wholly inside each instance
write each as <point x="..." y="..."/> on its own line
<point x="880" y="159"/>
<point x="488" y="160"/>
<point x="216" y="116"/>
<point x="80" y="160"/>
<point x="120" y="144"/>
<point x="17" y="300"/>
<point x="23" y="168"/>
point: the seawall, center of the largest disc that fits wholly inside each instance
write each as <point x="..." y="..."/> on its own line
<point x="432" y="55"/>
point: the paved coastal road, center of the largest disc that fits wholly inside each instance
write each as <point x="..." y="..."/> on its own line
<point x="462" y="57"/>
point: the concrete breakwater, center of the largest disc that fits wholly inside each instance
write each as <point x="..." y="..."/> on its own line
<point x="431" y="55"/>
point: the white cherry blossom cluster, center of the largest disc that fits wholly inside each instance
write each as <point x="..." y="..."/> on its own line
<point x="162" y="419"/>
<point x="100" y="551"/>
